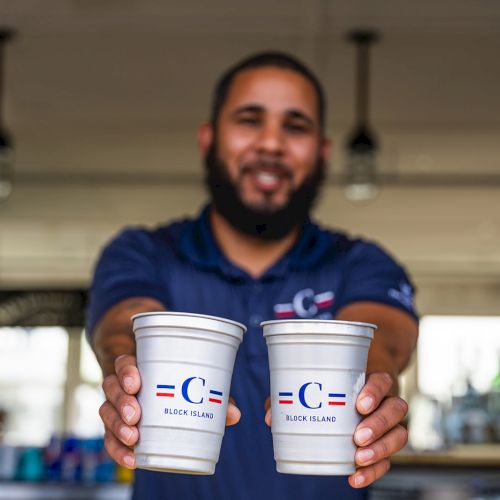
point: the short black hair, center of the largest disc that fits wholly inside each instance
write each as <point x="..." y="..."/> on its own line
<point x="260" y="60"/>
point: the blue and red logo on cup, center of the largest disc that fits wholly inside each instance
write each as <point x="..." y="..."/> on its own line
<point x="311" y="395"/>
<point x="185" y="392"/>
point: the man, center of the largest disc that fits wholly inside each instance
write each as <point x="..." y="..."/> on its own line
<point x="253" y="254"/>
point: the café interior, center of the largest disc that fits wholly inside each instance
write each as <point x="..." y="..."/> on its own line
<point x="99" y="108"/>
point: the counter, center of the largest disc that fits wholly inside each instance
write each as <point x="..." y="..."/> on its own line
<point x="459" y="473"/>
<point x="61" y="491"/>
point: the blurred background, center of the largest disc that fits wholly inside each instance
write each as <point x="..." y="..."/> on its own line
<point x="99" y="108"/>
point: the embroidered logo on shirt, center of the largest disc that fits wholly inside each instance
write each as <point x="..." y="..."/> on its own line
<point x="305" y="304"/>
<point x="403" y="295"/>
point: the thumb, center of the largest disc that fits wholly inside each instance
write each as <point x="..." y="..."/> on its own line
<point x="267" y="406"/>
<point x="233" y="413"/>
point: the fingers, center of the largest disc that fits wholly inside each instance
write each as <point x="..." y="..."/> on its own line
<point x="386" y="446"/>
<point x="126" y="405"/>
<point x="381" y="421"/>
<point x="374" y="391"/>
<point x="127" y="373"/>
<point x="367" y="475"/>
<point x="379" y="434"/>
<point x="121" y="408"/>
<point x="233" y="413"/>
<point x="119" y="452"/>
<point x="267" y="407"/>
<point x="128" y="435"/>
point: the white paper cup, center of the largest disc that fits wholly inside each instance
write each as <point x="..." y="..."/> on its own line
<point x="186" y="363"/>
<point x="317" y="371"/>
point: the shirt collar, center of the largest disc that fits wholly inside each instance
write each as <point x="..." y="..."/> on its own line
<point x="198" y="246"/>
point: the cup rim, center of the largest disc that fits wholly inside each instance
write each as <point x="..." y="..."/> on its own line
<point x="317" y="327"/>
<point x="327" y="321"/>
<point x="190" y="315"/>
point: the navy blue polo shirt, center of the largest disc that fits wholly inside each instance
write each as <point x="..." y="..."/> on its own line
<point x="182" y="266"/>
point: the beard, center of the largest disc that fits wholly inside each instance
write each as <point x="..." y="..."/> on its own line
<point x="266" y="223"/>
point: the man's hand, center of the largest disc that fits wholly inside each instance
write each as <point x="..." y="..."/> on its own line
<point x="121" y="411"/>
<point x="380" y="434"/>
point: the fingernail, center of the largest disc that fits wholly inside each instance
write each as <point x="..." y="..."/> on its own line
<point x="362" y="436"/>
<point x="267" y="418"/>
<point x="128" y="383"/>
<point x="364" y="455"/>
<point x="236" y="413"/>
<point x="233" y="415"/>
<point x="366" y="403"/>
<point x="359" y="480"/>
<point x="126" y="433"/>
<point x="129" y="461"/>
<point x="128" y="412"/>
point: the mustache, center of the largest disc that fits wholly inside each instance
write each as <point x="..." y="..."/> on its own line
<point x="272" y="166"/>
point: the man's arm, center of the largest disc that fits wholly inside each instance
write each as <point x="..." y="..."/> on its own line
<point x="380" y="435"/>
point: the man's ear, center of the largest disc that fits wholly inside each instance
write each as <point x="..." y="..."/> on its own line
<point x="326" y="150"/>
<point x="205" y="138"/>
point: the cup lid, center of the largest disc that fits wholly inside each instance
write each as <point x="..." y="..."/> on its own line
<point x="318" y="327"/>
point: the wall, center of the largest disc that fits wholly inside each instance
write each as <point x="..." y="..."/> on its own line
<point x="449" y="238"/>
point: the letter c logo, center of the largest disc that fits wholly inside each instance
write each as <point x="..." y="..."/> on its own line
<point x="302" y="392"/>
<point x="185" y="387"/>
<point x="304" y="305"/>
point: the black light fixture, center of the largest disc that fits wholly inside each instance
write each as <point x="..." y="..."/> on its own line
<point x="6" y="149"/>
<point x="360" y="181"/>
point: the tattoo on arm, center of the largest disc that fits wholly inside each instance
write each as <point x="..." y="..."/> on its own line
<point x="113" y="334"/>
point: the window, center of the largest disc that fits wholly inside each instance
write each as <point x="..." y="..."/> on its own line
<point x="32" y="377"/>
<point x="87" y="395"/>
<point x="50" y="384"/>
<point x="452" y="349"/>
<point x="458" y="358"/>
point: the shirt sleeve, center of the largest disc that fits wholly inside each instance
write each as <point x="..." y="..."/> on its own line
<point x="126" y="268"/>
<point x="371" y="274"/>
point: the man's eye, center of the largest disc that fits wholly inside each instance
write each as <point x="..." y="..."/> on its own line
<point x="296" y="127"/>
<point x="249" y="121"/>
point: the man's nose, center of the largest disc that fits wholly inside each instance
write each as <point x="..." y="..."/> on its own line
<point x="271" y="139"/>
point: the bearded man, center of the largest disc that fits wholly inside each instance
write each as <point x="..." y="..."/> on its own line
<point x="254" y="254"/>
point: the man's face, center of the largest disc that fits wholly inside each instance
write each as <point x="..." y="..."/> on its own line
<point x="268" y="135"/>
<point x="266" y="157"/>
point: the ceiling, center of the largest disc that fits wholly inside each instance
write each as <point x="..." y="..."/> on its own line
<point x="109" y="93"/>
<point x="118" y="87"/>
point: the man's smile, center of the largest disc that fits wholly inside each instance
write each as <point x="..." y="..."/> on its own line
<point x="267" y="177"/>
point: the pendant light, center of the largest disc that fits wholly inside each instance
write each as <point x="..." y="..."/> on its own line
<point x="360" y="181"/>
<point x="6" y="149"/>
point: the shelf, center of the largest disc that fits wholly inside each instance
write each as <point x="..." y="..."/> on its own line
<point x="470" y="455"/>
<point x="60" y="491"/>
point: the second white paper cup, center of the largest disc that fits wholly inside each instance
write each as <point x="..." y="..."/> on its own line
<point x="186" y="364"/>
<point x="317" y="370"/>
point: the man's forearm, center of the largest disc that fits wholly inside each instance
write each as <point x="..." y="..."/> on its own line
<point x="109" y="343"/>
<point x="113" y="335"/>
<point x="394" y="339"/>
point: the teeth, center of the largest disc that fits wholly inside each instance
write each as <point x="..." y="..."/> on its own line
<point x="267" y="178"/>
